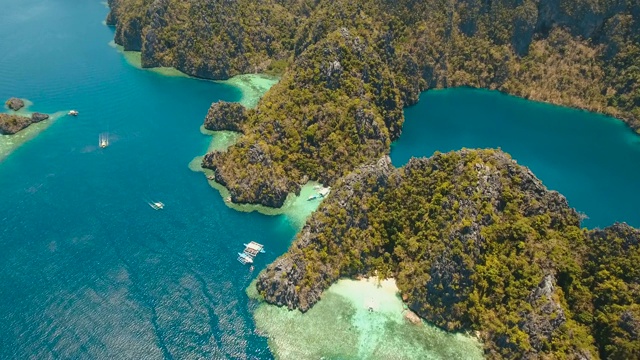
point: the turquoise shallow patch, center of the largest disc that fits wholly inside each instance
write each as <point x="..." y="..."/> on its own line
<point x="341" y="326"/>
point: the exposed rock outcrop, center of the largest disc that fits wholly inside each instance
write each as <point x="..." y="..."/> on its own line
<point x="223" y="115"/>
<point x="546" y="315"/>
<point x="412" y="317"/>
<point x="37" y="117"/>
<point x="15" y="104"/>
<point x="11" y="124"/>
<point x="248" y="189"/>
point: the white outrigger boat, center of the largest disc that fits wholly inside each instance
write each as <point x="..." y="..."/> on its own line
<point x="157" y="205"/>
<point x="322" y="193"/>
<point x="253" y="248"/>
<point x="244" y="258"/>
<point x="250" y="251"/>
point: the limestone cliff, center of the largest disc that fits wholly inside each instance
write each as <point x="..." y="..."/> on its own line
<point x="362" y="61"/>
<point x="225" y="116"/>
<point x="11" y="124"/>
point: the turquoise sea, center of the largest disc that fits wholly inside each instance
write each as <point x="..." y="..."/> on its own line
<point x="90" y="271"/>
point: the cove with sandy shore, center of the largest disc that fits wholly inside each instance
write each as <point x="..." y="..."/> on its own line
<point x="358" y="319"/>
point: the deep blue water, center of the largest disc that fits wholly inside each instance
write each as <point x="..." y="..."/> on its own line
<point x="88" y="269"/>
<point x="591" y="159"/>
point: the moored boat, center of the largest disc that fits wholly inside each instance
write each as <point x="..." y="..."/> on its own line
<point x="253" y="247"/>
<point x="324" y="192"/>
<point x="244" y="258"/>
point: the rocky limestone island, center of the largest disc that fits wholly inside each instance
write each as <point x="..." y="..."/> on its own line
<point x="37" y="117"/>
<point x="11" y="124"/>
<point x="476" y="243"/>
<point x="14" y="104"/>
<point x="247" y="189"/>
<point x="224" y="115"/>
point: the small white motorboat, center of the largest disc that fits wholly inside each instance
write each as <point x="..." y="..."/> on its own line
<point x="103" y="141"/>
<point x="73" y="113"/>
<point x="156" y="205"/>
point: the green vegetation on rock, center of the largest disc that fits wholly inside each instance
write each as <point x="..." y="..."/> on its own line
<point x="225" y="116"/>
<point x="11" y="123"/>
<point x="349" y="67"/>
<point x="476" y="242"/>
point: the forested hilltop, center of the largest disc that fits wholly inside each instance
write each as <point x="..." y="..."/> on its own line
<point x="475" y="242"/>
<point x="349" y="67"/>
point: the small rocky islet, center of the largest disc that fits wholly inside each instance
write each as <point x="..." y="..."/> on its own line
<point x="12" y="123"/>
<point x="475" y="241"/>
<point x="14" y="104"/>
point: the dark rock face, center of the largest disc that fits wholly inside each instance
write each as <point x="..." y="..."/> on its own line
<point x="630" y="323"/>
<point x="37" y="117"/>
<point x="248" y="189"/>
<point x="547" y="315"/>
<point x="15" y="104"/>
<point x="225" y="116"/>
<point x="11" y="124"/>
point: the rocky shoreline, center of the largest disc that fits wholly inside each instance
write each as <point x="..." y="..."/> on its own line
<point x="223" y="115"/>
<point x="13" y="123"/>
